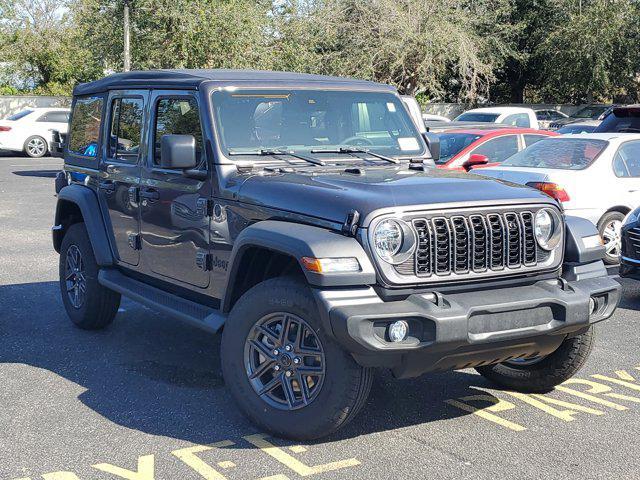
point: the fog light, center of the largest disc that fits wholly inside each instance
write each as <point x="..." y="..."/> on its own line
<point x="592" y="306"/>
<point x="398" y="331"/>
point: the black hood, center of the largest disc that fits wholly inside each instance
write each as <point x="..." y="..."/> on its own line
<point x="330" y="195"/>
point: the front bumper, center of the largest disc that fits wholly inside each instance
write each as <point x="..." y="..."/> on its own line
<point x="629" y="267"/>
<point x="460" y="330"/>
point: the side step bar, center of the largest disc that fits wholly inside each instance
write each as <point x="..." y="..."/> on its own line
<point x="203" y="317"/>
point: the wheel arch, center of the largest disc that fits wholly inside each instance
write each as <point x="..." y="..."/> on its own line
<point x="274" y="248"/>
<point x="623" y="209"/>
<point x="77" y="203"/>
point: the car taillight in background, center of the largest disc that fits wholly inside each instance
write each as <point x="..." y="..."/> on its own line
<point x="4" y="129"/>
<point x="552" y="189"/>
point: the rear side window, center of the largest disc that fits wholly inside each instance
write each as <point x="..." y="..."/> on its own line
<point x="84" y="131"/>
<point x="559" y="153"/>
<point x="626" y="162"/>
<point x="177" y="116"/>
<point x="19" y="115"/>
<point x="517" y="120"/>
<point x="55" y="117"/>
<point x="498" y="149"/>
<point x="126" y="128"/>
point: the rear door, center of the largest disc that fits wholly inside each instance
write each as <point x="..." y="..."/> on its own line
<point x="56" y="120"/>
<point x="174" y="217"/>
<point x="120" y="171"/>
<point x="626" y="166"/>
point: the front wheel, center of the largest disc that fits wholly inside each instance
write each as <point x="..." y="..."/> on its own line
<point x="285" y="373"/>
<point x="609" y="228"/>
<point x="541" y="374"/>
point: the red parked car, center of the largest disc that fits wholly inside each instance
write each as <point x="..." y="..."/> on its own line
<point x="464" y="149"/>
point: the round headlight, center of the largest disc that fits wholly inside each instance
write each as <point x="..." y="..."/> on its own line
<point x="547" y="228"/>
<point x="387" y="239"/>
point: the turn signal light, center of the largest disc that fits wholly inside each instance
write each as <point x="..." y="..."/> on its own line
<point x="330" y="265"/>
<point x="552" y="189"/>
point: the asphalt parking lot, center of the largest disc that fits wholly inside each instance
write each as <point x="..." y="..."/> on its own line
<point x="145" y="400"/>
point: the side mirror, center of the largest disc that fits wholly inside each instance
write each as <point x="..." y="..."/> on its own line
<point x="474" y="160"/>
<point x="178" y="152"/>
<point x="433" y="142"/>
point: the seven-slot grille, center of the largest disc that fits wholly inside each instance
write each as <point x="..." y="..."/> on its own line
<point x="479" y="243"/>
<point x="634" y="237"/>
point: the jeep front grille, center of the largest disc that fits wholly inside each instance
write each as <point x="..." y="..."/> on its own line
<point x="471" y="244"/>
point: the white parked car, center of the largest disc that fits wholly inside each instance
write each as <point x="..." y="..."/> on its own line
<point x="513" y="116"/>
<point x="414" y="110"/>
<point x="30" y="130"/>
<point x="432" y="117"/>
<point x="594" y="175"/>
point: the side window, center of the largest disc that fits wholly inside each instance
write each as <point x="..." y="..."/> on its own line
<point x="554" y="115"/>
<point x="531" y="139"/>
<point x="543" y="115"/>
<point x="499" y="149"/>
<point x="177" y="116"/>
<point x="84" y="131"/>
<point x="626" y="162"/>
<point x="517" y="120"/>
<point x="126" y="128"/>
<point x="55" y="117"/>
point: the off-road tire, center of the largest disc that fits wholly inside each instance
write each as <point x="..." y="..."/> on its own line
<point x="606" y="219"/>
<point x="100" y="303"/>
<point x="36" y="152"/>
<point x="346" y="384"/>
<point x="550" y="371"/>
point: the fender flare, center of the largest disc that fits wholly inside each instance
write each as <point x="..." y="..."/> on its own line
<point x="575" y="250"/>
<point x="297" y="241"/>
<point x="87" y="202"/>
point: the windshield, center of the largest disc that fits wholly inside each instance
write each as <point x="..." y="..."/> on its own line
<point x="453" y="143"/>
<point x="589" y="112"/>
<point x="477" y="117"/>
<point x="559" y="153"/>
<point x="19" y="115"/>
<point x="310" y="120"/>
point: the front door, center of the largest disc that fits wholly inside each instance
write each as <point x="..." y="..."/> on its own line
<point x="120" y="172"/>
<point x="173" y="206"/>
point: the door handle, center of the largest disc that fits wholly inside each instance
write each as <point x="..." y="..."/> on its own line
<point x="107" y="186"/>
<point x="149" y="194"/>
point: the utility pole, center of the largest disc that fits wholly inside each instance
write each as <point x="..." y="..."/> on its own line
<point x="127" y="54"/>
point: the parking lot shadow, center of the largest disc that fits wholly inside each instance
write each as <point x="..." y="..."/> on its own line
<point x="153" y="374"/>
<point x="37" y="173"/>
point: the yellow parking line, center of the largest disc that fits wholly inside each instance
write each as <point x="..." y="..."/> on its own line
<point x="145" y="470"/>
<point x="294" y="464"/>
<point x="188" y="456"/>
<point x="624" y="383"/>
<point x="499" y="405"/>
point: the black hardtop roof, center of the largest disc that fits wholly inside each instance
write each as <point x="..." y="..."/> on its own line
<point x="187" y="78"/>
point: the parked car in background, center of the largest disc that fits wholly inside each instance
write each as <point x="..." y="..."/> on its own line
<point x="548" y="115"/>
<point x="513" y="116"/>
<point x="463" y="149"/>
<point x="591" y="112"/>
<point x="630" y="245"/>
<point x="439" y="126"/>
<point x="586" y="126"/>
<point x="415" y="111"/>
<point x="622" y="119"/>
<point x="30" y="130"/>
<point x="594" y="175"/>
<point x="430" y="117"/>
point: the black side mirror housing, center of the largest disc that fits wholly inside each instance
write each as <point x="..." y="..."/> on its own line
<point x="178" y="152"/>
<point x="433" y="142"/>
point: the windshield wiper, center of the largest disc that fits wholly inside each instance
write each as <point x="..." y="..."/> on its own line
<point x="270" y="152"/>
<point x="356" y="150"/>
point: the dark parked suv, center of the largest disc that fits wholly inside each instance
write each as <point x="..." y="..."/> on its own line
<point x="301" y="216"/>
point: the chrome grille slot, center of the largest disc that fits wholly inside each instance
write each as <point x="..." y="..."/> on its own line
<point x="514" y="239"/>
<point x="457" y="245"/>
<point x="423" y="262"/>
<point x="461" y="244"/>
<point x="442" y="245"/>
<point x="529" y="240"/>
<point x="480" y="243"/>
<point x="497" y="241"/>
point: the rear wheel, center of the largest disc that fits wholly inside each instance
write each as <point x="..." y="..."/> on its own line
<point x="36" y="146"/>
<point x="89" y="305"/>
<point x="609" y="228"/>
<point x="285" y="373"/>
<point x="541" y="374"/>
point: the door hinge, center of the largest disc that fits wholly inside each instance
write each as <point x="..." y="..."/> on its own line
<point x="350" y="225"/>
<point x="134" y="241"/>
<point x="205" y="206"/>
<point x="204" y="261"/>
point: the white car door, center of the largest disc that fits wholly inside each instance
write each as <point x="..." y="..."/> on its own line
<point x="626" y="166"/>
<point x="54" y="120"/>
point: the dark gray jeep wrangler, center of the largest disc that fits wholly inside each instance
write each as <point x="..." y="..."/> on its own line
<point x="301" y="216"/>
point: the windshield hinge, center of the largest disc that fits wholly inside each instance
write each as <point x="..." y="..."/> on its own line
<point x="350" y="225"/>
